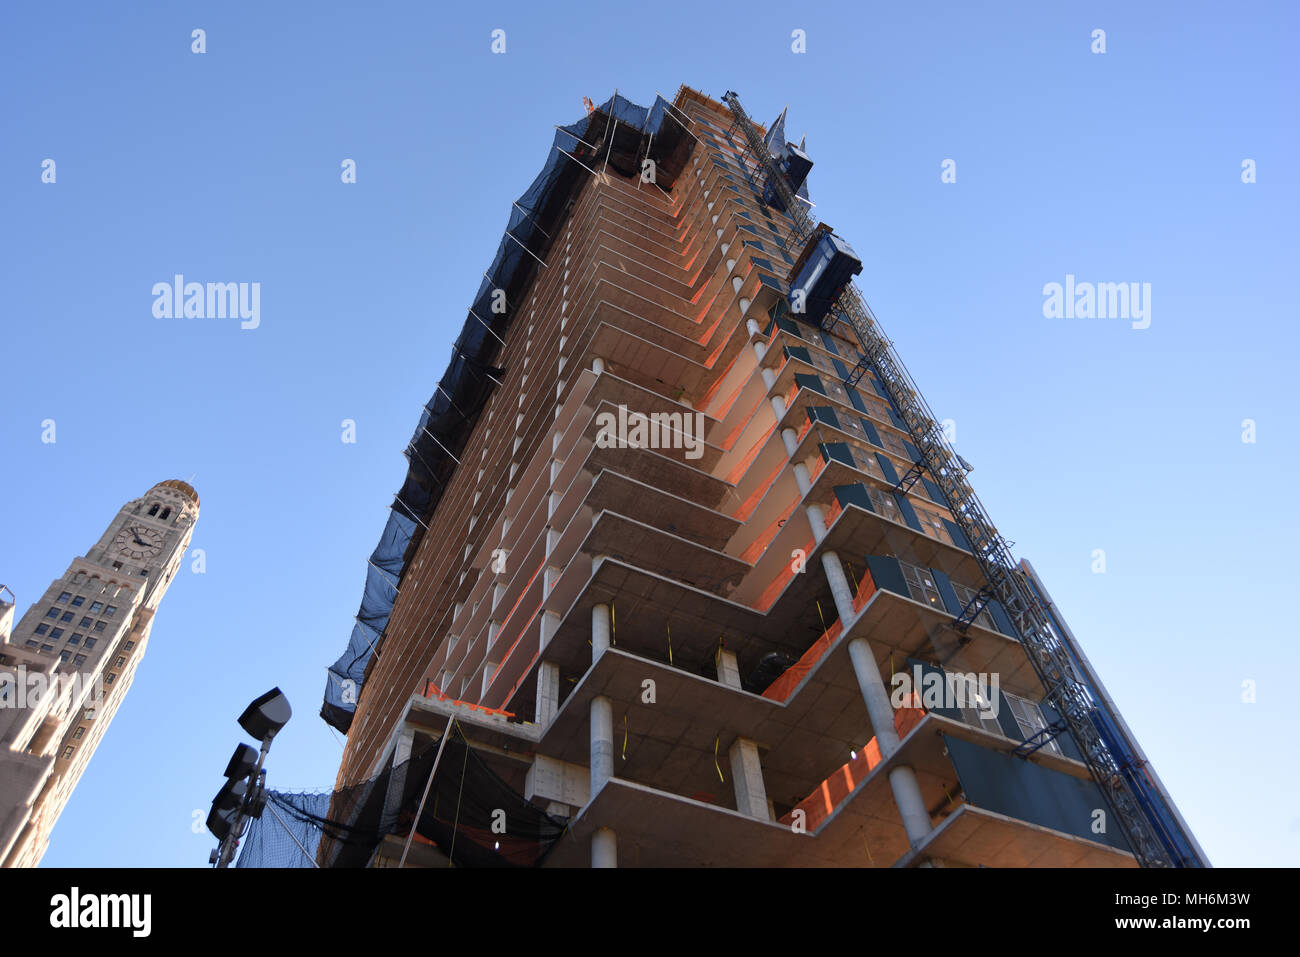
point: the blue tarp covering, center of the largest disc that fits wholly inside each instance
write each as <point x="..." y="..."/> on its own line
<point x="619" y="133"/>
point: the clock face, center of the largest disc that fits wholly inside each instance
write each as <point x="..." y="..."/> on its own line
<point x="138" y="541"/>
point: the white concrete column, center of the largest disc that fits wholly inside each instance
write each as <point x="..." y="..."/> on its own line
<point x="839" y="583"/>
<point x="790" y="439"/>
<point x="598" y="365"/>
<point x="902" y="779"/>
<point x="548" y="692"/>
<point x="747" y="779"/>
<point x="604" y="848"/>
<point x="602" y="743"/>
<point x="728" y="669"/>
<point x="599" y="631"/>
<point x="911" y="805"/>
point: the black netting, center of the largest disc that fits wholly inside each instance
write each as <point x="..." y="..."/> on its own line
<point x="471" y="814"/>
<point x="618" y="133"/>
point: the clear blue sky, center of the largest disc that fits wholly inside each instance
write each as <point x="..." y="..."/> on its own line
<point x="1085" y="433"/>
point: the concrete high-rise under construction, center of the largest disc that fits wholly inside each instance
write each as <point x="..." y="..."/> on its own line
<point x="684" y="561"/>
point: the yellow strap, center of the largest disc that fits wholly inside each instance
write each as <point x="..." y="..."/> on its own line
<point x="716" y="742"/>
<point x="611" y="624"/>
<point x="853" y="579"/>
<point x="863" y="832"/>
<point x="670" y="643"/>
<point x="624" y="737"/>
<point x="820" y="615"/>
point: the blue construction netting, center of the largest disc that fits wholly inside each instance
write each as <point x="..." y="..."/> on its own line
<point x="618" y="135"/>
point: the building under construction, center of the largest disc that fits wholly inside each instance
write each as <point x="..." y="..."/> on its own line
<point x="685" y="572"/>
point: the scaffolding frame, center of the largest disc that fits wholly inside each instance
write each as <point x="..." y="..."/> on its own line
<point x="1045" y="650"/>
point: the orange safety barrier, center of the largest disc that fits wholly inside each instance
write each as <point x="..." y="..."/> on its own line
<point x="866" y="588"/>
<point x="759" y="545"/>
<point x="770" y="593"/>
<point x="819" y="805"/>
<point x="433" y="691"/>
<point x="752" y="454"/>
<point x="749" y="504"/>
<point x="783" y="687"/>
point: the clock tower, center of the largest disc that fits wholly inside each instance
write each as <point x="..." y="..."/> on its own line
<point x="71" y="659"/>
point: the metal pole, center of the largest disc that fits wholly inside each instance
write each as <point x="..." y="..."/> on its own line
<point x="427" y="784"/>
<point x="271" y="807"/>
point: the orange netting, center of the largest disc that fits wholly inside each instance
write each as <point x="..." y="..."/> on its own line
<point x="783" y="687"/>
<point x="819" y="805"/>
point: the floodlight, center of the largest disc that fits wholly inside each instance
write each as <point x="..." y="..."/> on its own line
<point x="242" y="761"/>
<point x="267" y="715"/>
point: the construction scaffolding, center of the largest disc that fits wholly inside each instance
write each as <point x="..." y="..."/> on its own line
<point x="1145" y="822"/>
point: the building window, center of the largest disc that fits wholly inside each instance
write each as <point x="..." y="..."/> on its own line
<point x="128" y="646"/>
<point x="920" y="583"/>
<point x="85" y="622"/>
<point x="109" y="678"/>
<point x="1029" y="716"/>
<point x="32" y="643"/>
<point x="79" y="660"/>
<point x="65" y="655"/>
<point x="78" y="601"/>
<point x="75" y="639"/>
<point x="65" y="596"/>
<point x="90" y="643"/>
<point x="67" y="616"/>
<point x="117" y="565"/>
<point x="153" y="509"/>
<point x="42" y="629"/>
<point x="76" y="735"/>
<point x="67" y="752"/>
<point x="121" y="660"/>
<point x="46" y="649"/>
<point x="99" y="626"/>
<point x="166" y="513"/>
<point x="144" y="571"/>
<point x="978" y="710"/>
<point x="56" y="634"/>
<point x="95" y="607"/>
<point x="110" y="611"/>
<point x="52" y="613"/>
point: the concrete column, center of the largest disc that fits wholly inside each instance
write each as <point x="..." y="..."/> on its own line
<point x="769" y="377"/>
<point x="839" y="583"/>
<point x="599" y="631"/>
<point x="728" y="669"/>
<point x="598" y="365"/>
<point x="911" y="806"/>
<point x="875" y="695"/>
<point x="902" y="780"/>
<point x="548" y="692"/>
<point x="602" y="743"/>
<point x="790" y="439"/>
<point x="747" y="779"/>
<point x="604" y="848"/>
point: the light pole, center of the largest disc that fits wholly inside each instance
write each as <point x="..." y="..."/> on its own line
<point x="243" y="796"/>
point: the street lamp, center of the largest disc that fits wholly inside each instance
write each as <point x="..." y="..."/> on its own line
<point x="244" y="793"/>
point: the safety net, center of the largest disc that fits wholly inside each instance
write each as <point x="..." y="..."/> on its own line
<point x="619" y="136"/>
<point x="468" y="812"/>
